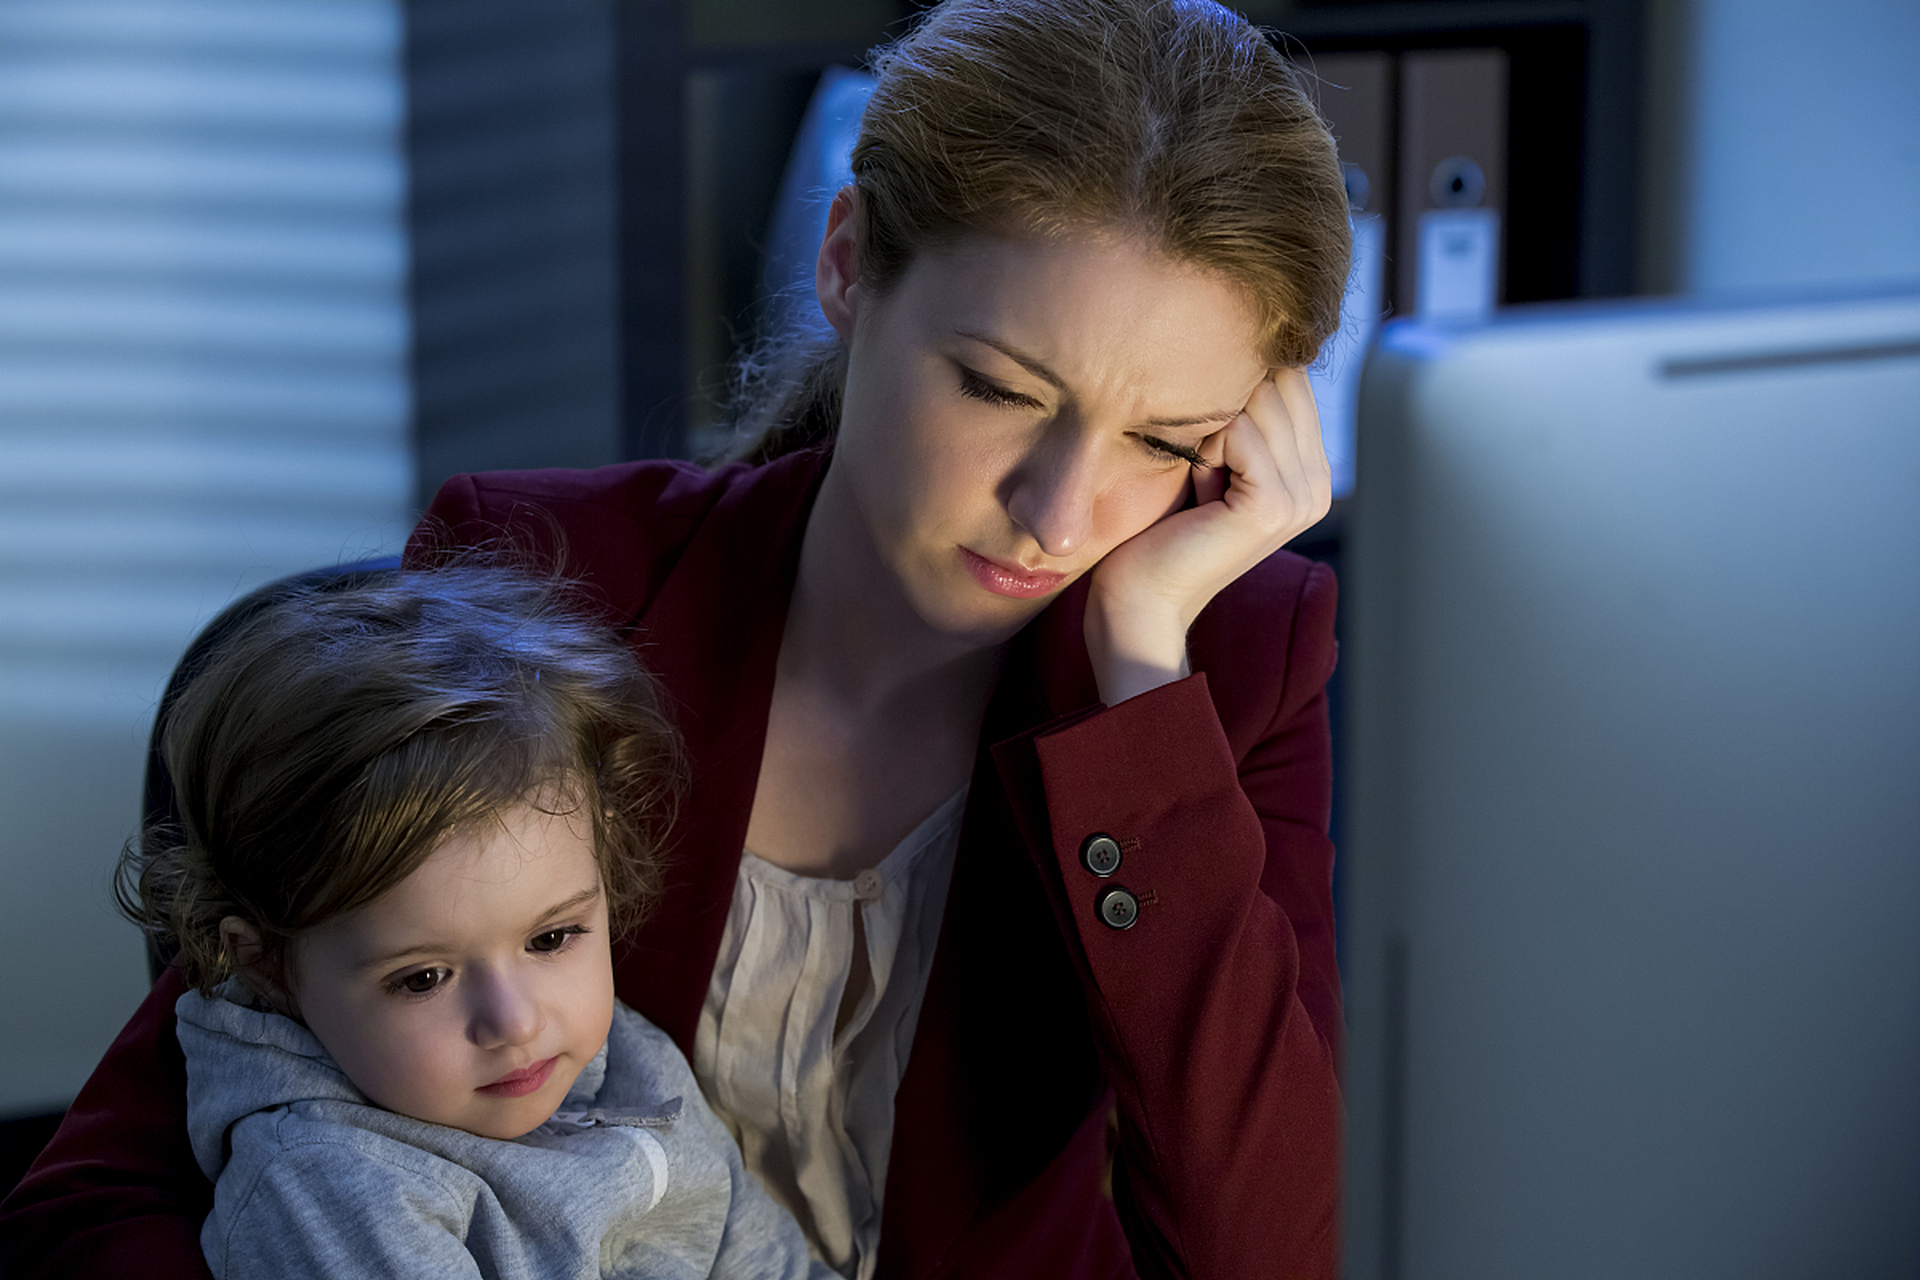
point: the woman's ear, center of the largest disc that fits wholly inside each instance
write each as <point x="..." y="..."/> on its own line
<point x="835" y="278"/>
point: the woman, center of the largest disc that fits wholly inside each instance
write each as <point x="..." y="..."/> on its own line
<point x="1000" y="928"/>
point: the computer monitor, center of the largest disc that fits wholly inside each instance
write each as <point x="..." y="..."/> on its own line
<point x="1632" y="801"/>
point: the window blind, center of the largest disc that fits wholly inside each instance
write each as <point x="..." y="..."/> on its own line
<point x="203" y="386"/>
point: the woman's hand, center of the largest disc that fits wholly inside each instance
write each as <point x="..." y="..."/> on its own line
<point x="1267" y="481"/>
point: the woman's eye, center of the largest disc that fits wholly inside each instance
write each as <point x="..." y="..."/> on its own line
<point x="419" y="982"/>
<point x="1171" y="452"/>
<point x="555" y="939"/>
<point x="972" y="384"/>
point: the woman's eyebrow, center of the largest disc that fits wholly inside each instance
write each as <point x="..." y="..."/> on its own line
<point x="1038" y="369"/>
<point x="1033" y="366"/>
<point x="1216" y="419"/>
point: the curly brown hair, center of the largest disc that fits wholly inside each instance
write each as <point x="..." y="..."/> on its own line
<point x="337" y="737"/>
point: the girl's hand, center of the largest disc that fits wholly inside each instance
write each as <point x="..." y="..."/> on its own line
<point x="1267" y="481"/>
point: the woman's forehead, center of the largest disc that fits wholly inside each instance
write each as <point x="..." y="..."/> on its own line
<point x="1102" y="305"/>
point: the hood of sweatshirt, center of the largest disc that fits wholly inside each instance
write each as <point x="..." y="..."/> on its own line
<point x="243" y="1058"/>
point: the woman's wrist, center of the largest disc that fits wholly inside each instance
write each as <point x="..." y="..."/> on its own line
<point x="1133" y="648"/>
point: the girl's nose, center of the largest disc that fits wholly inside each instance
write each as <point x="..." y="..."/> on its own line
<point x="504" y="1012"/>
<point x="1051" y="493"/>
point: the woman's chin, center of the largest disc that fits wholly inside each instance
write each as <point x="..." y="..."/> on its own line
<point x="980" y="618"/>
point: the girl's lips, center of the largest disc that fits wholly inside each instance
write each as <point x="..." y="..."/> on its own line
<point x="518" y="1084"/>
<point x="1002" y="580"/>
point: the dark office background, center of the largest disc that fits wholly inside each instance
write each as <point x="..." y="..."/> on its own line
<point x="269" y="273"/>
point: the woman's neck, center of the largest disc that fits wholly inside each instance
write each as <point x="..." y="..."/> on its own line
<point x="875" y="717"/>
<point x="852" y="634"/>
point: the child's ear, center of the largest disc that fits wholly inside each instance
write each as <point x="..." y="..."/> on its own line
<point x="241" y="941"/>
<point x="245" y="951"/>
<point x="835" y="276"/>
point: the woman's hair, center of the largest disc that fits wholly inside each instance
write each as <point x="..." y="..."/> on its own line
<point x="1173" y="120"/>
<point x="337" y="737"/>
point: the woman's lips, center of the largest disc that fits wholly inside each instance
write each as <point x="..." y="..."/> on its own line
<point x="518" y="1084"/>
<point x="1004" y="580"/>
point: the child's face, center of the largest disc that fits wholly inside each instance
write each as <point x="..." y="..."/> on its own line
<point x="471" y="994"/>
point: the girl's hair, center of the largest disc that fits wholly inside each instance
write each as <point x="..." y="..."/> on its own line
<point x="337" y="737"/>
<point x="1173" y="120"/>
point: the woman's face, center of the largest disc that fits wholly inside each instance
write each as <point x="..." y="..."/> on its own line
<point x="1016" y="408"/>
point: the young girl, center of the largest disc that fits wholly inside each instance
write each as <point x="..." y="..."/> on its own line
<point x="411" y="816"/>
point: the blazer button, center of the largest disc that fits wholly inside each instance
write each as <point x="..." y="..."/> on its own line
<point x="1100" y="854"/>
<point x="1118" y="909"/>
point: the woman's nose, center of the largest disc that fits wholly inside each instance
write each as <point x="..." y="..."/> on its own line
<point x="505" y="1012"/>
<point x="1051" y="493"/>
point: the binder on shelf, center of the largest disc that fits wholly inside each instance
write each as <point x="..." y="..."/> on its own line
<point x="1458" y="263"/>
<point x="1452" y="181"/>
<point x="1356" y="97"/>
<point x="1336" y="374"/>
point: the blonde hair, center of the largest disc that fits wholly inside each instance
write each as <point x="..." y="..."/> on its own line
<point x="337" y="737"/>
<point x="1173" y="120"/>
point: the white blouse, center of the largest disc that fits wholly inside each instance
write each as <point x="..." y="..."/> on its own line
<point x="805" y="1032"/>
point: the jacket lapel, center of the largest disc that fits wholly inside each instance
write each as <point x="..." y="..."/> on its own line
<point x="1003" y="1067"/>
<point x="712" y="636"/>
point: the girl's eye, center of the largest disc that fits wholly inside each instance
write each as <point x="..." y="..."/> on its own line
<point x="554" y="940"/>
<point x="418" y="983"/>
<point x="972" y="384"/>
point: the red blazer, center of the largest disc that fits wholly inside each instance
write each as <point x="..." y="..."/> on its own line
<point x="1080" y="1101"/>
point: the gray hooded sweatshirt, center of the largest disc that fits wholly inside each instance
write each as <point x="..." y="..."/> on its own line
<point x="633" y="1176"/>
